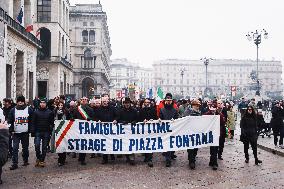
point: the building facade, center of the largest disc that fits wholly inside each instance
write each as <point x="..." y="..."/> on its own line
<point x="91" y="49"/>
<point x="18" y="50"/>
<point x="222" y="75"/>
<point x="54" y="68"/>
<point x="126" y="75"/>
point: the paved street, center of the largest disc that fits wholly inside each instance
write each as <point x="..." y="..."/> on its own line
<point x="233" y="172"/>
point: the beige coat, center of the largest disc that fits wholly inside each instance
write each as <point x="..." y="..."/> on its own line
<point x="231" y="123"/>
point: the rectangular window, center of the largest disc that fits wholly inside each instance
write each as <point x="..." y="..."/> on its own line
<point x="44" y="10"/>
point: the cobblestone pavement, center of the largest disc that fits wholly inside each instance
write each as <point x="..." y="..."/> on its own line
<point x="233" y="172"/>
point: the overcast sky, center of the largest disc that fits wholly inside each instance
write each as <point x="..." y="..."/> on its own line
<point x="147" y="30"/>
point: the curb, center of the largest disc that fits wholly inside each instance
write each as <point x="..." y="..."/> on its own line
<point x="271" y="150"/>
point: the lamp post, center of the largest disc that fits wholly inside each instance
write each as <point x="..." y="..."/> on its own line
<point x="182" y="74"/>
<point x="206" y="63"/>
<point x="256" y="37"/>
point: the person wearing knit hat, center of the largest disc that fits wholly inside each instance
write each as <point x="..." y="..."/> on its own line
<point x="19" y="119"/>
<point x="168" y="112"/>
<point x="193" y="111"/>
<point x="21" y="99"/>
<point x="169" y="96"/>
<point x="43" y="100"/>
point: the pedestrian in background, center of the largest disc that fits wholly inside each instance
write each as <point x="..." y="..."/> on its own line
<point x="231" y="122"/>
<point x="7" y="107"/>
<point x="277" y="123"/>
<point x="249" y="133"/>
<point x="4" y="144"/>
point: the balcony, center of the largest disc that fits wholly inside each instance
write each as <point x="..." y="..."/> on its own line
<point x="19" y="28"/>
<point x="56" y="59"/>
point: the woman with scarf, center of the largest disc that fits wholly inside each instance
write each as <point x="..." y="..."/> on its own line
<point x="60" y="113"/>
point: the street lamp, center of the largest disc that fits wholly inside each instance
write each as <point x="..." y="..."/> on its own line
<point x="182" y="74"/>
<point x="256" y="37"/>
<point x="206" y="63"/>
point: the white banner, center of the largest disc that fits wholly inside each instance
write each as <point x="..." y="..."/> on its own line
<point x="97" y="137"/>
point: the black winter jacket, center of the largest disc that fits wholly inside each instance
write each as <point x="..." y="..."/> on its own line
<point x="277" y="118"/>
<point x="248" y="128"/>
<point x="147" y="113"/>
<point x="43" y="121"/>
<point x="127" y="115"/>
<point x="4" y="143"/>
<point x="107" y="114"/>
<point x="6" y="111"/>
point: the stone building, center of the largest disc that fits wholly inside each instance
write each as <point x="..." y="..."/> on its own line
<point x="222" y="75"/>
<point x="91" y="49"/>
<point x="126" y="74"/>
<point x="18" y="50"/>
<point x="54" y="68"/>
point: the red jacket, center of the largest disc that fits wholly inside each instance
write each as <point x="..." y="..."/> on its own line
<point x="162" y="104"/>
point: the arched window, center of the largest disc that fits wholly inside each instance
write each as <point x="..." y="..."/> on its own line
<point x="85" y="36"/>
<point x="92" y="36"/>
<point x="88" y="59"/>
<point x="92" y="24"/>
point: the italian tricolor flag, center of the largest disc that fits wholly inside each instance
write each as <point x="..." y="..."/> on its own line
<point x="83" y="113"/>
<point x="61" y="131"/>
<point x="159" y="95"/>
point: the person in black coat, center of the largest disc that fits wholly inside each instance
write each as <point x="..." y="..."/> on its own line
<point x="249" y="133"/>
<point x="4" y="143"/>
<point x="148" y="113"/>
<point x="168" y="113"/>
<point x="79" y="114"/>
<point x="42" y="126"/>
<point x="107" y="113"/>
<point x="276" y="122"/>
<point x="7" y="107"/>
<point x="19" y="119"/>
<point x="125" y="116"/>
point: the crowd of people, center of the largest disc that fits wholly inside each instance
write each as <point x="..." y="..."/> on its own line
<point x="23" y="120"/>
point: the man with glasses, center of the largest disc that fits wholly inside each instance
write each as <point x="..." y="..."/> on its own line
<point x="83" y="112"/>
